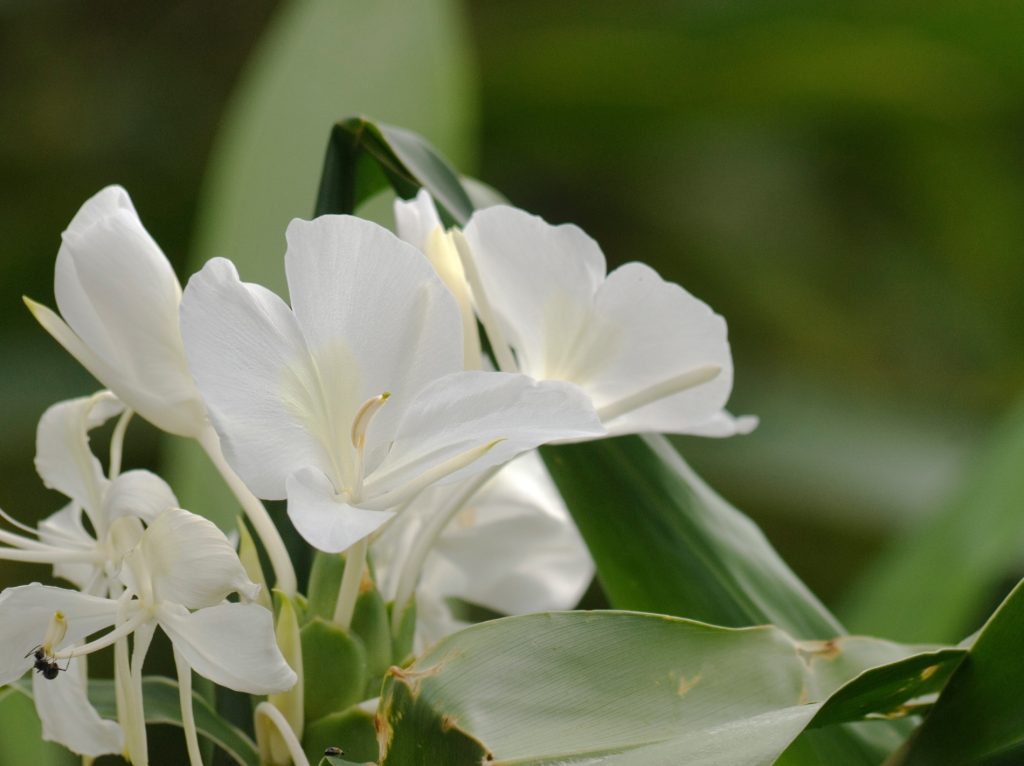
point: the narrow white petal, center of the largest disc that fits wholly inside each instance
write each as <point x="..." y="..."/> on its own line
<point x="374" y="314"/>
<point x="540" y="281"/>
<point x="468" y="410"/>
<point x="189" y="561"/>
<point x="231" y="644"/>
<point x="323" y="519"/>
<point x="251" y="363"/>
<point x="138" y="493"/>
<point x="27" y="610"/>
<point x="69" y="718"/>
<point x="117" y="291"/>
<point x="63" y="458"/>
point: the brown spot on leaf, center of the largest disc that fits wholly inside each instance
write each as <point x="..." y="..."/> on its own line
<point x="684" y="685"/>
<point x="818" y="650"/>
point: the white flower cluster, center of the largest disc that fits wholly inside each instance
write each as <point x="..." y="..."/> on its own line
<point x="365" y="402"/>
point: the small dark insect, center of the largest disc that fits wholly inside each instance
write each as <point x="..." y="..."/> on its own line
<point x="45" y="666"/>
<point x="334" y="751"/>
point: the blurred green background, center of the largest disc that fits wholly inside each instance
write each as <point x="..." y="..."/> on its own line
<point x="844" y="184"/>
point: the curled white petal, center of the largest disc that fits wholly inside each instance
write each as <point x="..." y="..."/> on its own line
<point x="323" y="519"/>
<point x="186" y="560"/>
<point x="231" y="644"/>
<point x="119" y="296"/>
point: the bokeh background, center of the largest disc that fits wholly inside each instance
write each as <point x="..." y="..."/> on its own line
<point x="844" y="184"/>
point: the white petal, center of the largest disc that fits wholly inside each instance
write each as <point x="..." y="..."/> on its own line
<point x="374" y="314"/>
<point x="540" y="280"/>
<point x="118" y="293"/>
<point x="415" y="219"/>
<point x="26" y="612"/>
<point x="69" y="718"/>
<point x="63" y="458"/>
<point x="64" y="529"/>
<point x="138" y="493"/>
<point x="231" y="644"/>
<point x="469" y="410"/>
<point x="325" y="521"/>
<point x="719" y="425"/>
<point x="188" y="560"/>
<point x="251" y="363"/>
<point x="514" y="548"/>
<point x="645" y="330"/>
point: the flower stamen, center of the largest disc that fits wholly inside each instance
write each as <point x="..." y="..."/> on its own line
<point x="660" y="390"/>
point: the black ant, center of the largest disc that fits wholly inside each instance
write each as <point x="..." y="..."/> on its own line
<point x="45" y="666"/>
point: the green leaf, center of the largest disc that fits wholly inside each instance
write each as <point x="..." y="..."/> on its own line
<point x="370" y="623"/>
<point x="931" y="583"/>
<point x="352" y="730"/>
<point x="324" y="584"/>
<point x="664" y="542"/>
<point x="163" y="707"/>
<point x="315" y="64"/>
<point x="23" y="736"/>
<point x="625" y="688"/>
<point x="364" y="157"/>
<point x="334" y="668"/>
<point x="979" y="716"/>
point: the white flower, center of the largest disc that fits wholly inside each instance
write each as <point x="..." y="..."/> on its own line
<point x="180" y="563"/>
<point x="512" y="549"/>
<point x="88" y="558"/>
<point x="354" y="400"/>
<point x="119" y="299"/>
<point x="649" y="355"/>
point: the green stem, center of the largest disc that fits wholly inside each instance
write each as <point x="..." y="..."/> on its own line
<point x="355" y="560"/>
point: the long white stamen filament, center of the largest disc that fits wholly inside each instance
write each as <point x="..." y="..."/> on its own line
<point x="49" y="556"/>
<point x="668" y="387"/>
<point x="17" y="524"/>
<point x="117" y="444"/>
<point x="277" y="719"/>
<point x="24" y="542"/>
<point x="502" y="351"/>
<point x="430" y="476"/>
<point x="188" y="719"/>
<point x="412" y="562"/>
<point x="124" y="629"/>
<point x="355" y="561"/>
<point x="140" y="646"/>
<point x="284" y="572"/>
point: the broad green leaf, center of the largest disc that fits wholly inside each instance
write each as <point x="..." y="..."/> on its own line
<point x="334" y="668"/>
<point x="316" y="64"/>
<point x="352" y="730"/>
<point x="624" y="688"/>
<point x="163" y="707"/>
<point x="22" y="741"/>
<point x="664" y="542"/>
<point x="934" y="580"/>
<point x="979" y="716"/>
<point x="364" y="157"/>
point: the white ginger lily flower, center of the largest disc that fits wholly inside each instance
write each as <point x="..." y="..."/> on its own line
<point x="119" y="297"/>
<point x="120" y="300"/>
<point x="87" y="558"/>
<point x="176" y="577"/>
<point x="650" y="356"/>
<point x="512" y="548"/>
<point x="354" y="400"/>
